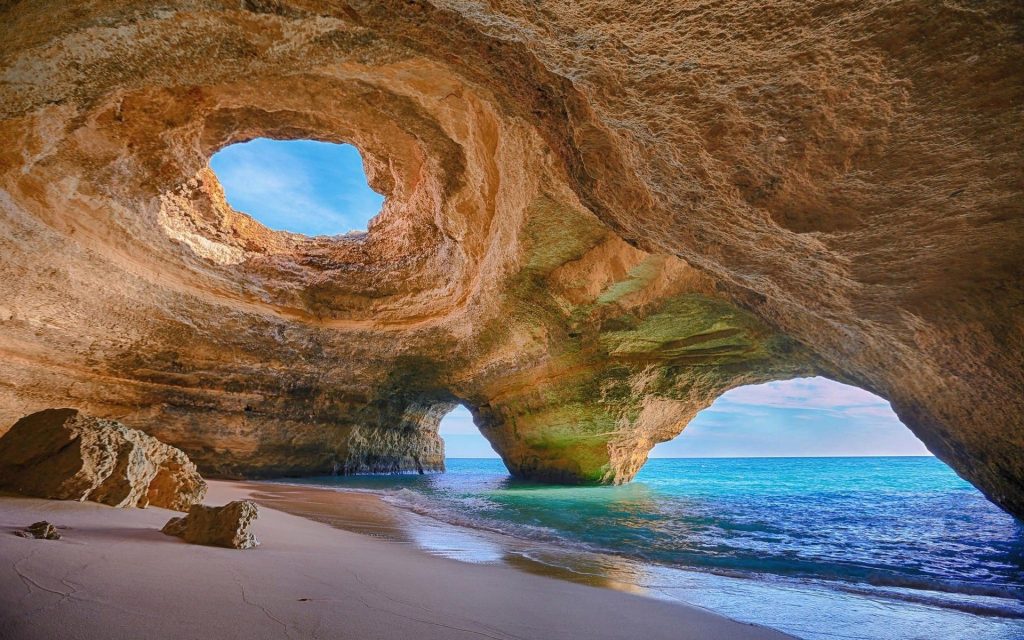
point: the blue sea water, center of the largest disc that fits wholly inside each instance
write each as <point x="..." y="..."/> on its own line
<point x="896" y="547"/>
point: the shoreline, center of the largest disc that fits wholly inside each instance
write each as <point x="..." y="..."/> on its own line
<point x="766" y="600"/>
<point x="368" y="513"/>
<point x="114" y="575"/>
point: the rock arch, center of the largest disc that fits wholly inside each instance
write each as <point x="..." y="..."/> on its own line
<point x="594" y="225"/>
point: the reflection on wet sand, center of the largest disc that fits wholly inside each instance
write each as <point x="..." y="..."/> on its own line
<point x="608" y="573"/>
<point x="367" y="514"/>
<point x="356" y="512"/>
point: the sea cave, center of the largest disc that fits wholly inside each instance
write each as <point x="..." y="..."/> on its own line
<point x="583" y="224"/>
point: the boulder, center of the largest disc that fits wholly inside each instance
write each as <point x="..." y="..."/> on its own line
<point x="226" y="526"/>
<point x="66" y="455"/>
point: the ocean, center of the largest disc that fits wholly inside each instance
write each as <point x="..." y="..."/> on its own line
<point x="822" y="548"/>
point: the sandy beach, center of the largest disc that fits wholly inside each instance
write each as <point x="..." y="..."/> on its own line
<point x="114" y="575"/>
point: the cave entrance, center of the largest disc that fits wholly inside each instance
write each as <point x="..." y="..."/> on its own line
<point x="462" y="438"/>
<point x="802" y="417"/>
<point x="301" y="186"/>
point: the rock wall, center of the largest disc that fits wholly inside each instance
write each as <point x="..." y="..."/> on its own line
<point x="599" y="217"/>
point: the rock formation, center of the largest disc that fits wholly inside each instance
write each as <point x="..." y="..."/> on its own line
<point x="65" y="455"/>
<point x="228" y="526"/>
<point x="599" y="218"/>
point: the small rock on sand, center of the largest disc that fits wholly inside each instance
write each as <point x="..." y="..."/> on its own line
<point x="41" y="530"/>
<point x="226" y="526"/>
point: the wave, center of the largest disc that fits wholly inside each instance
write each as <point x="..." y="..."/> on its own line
<point x="996" y="604"/>
<point x="428" y="507"/>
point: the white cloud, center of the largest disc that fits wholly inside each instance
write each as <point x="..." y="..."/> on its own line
<point x="814" y="394"/>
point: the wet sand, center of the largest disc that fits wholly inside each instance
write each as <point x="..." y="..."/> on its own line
<point x="368" y="514"/>
<point x="114" y="575"/>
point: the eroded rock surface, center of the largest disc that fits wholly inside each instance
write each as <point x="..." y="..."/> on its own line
<point x="227" y="526"/>
<point x="599" y="217"/>
<point x="65" y="455"/>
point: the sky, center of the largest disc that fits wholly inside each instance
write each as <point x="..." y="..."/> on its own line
<point x="318" y="188"/>
<point x="800" y="417"/>
<point x="302" y="186"/>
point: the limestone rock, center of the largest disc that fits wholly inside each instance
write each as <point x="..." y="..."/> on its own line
<point x="41" y="530"/>
<point x="599" y="218"/>
<point x="226" y="526"/>
<point x="66" y="455"/>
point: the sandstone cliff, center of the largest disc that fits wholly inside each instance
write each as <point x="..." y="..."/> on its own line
<point x="599" y="217"/>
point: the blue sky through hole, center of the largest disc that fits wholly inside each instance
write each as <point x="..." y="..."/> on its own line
<point x="302" y="186"/>
<point x="801" y="417"/>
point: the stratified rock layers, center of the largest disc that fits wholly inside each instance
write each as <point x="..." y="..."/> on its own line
<point x="62" y="454"/>
<point x="598" y="219"/>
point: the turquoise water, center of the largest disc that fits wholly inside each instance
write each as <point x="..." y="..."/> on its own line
<point x="904" y="532"/>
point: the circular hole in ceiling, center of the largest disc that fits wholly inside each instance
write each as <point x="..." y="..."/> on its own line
<point x="302" y="186"/>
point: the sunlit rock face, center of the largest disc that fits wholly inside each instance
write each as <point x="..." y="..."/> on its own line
<point x="598" y="219"/>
